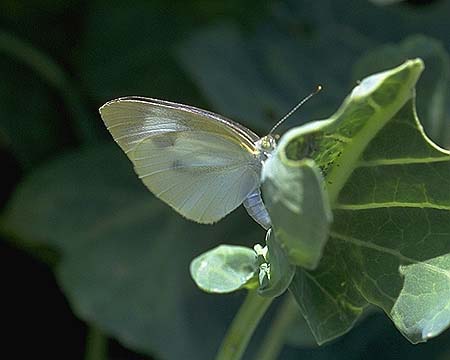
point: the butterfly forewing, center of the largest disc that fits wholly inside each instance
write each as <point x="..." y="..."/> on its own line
<point x="132" y="119"/>
<point x="199" y="163"/>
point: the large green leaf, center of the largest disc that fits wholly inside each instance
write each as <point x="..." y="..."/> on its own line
<point x="389" y="190"/>
<point x="398" y="21"/>
<point x="433" y="88"/>
<point x="264" y="74"/>
<point x="255" y="77"/>
<point x="373" y="338"/>
<point x="124" y="256"/>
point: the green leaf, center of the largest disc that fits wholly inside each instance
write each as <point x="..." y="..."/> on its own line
<point x="124" y="256"/>
<point x="299" y="333"/>
<point x="223" y="47"/>
<point x="398" y="21"/>
<point x="422" y="309"/>
<point x="388" y="185"/>
<point x="328" y="299"/>
<point x="299" y="37"/>
<point x="279" y="269"/>
<point x="298" y="206"/>
<point x="224" y="269"/>
<point x="433" y="88"/>
<point x="256" y="78"/>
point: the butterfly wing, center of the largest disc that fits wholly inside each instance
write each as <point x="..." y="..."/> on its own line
<point x="201" y="164"/>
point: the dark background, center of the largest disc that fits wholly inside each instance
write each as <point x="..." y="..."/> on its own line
<point x="252" y="60"/>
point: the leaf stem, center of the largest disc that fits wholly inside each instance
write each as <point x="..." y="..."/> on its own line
<point x="55" y="76"/>
<point x="243" y="326"/>
<point x="96" y="345"/>
<point x="275" y="337"/>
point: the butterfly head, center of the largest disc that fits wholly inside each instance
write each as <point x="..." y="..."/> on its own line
<point x="266" y="145"/>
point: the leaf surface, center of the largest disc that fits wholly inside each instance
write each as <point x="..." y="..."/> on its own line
<point x="224" y="269"/>
<point x="388" y="184"/>
<point x="298" y="207"/>
<point x="123" y="255"/>
<point x="433" y="87"/>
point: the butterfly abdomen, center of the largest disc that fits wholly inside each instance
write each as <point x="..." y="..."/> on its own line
<point x="256" y="209"/>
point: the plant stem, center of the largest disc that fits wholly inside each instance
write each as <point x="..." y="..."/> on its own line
<point x="96" y="345"/>
<point x="243" y="326"/>
<point x="275" y="337"/>
<point x="55" y="76"/>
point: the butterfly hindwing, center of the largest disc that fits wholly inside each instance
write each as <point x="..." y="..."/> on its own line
<point x="203" y="176"/>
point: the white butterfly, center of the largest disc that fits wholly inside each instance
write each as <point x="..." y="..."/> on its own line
<point x="200" y="163"/>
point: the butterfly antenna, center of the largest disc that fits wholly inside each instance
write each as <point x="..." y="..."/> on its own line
<point x="295" y="108"/>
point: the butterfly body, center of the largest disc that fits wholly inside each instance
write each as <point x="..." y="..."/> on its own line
<point x="256" y="209"/>
<point x="200" y="163"/>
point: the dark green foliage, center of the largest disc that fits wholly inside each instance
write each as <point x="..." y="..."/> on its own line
<point x="122" y="258"/>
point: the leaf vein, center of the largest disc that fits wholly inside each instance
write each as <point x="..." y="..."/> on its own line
<point x="389" y="251"/>
<point x="402" y="161"/>
<point x="391" y="204"/>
